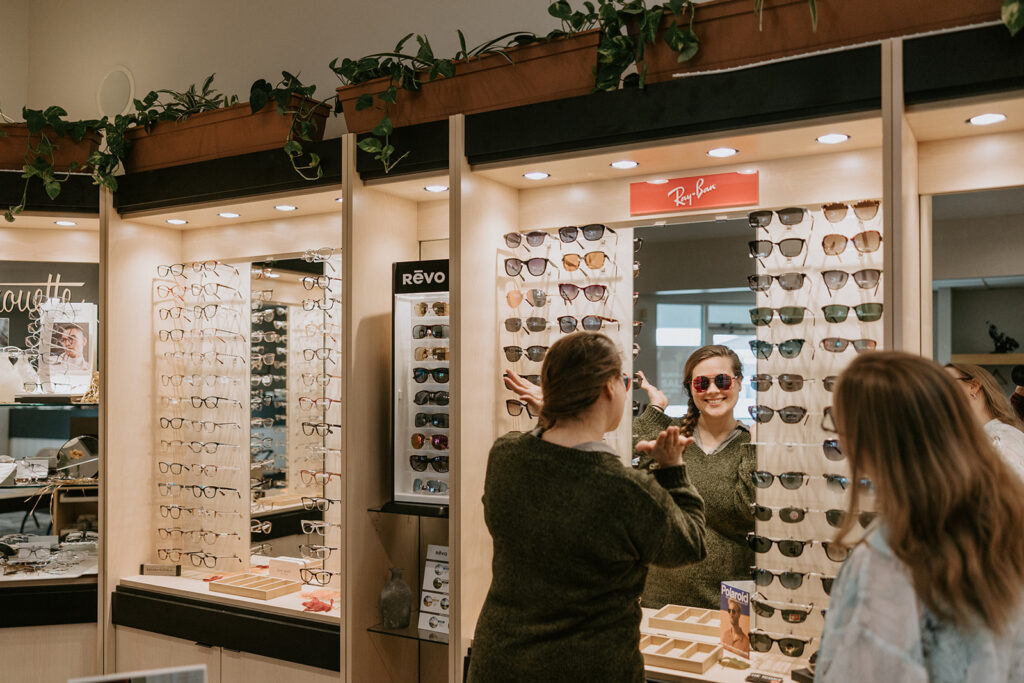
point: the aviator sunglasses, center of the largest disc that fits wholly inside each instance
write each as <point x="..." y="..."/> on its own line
<point x="702" y="383"/>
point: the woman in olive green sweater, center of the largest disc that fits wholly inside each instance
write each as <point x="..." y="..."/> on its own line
<point x="575" y="530"/>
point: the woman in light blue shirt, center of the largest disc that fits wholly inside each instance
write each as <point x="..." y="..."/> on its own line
<point x="936" y="591"/>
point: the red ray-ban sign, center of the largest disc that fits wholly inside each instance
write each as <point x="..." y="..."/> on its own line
<point x="711" y="191"/>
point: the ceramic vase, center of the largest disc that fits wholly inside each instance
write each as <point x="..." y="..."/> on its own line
<point x="396" y="601"/>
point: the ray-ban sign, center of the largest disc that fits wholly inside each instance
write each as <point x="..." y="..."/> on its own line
<point x="712" y="191"/>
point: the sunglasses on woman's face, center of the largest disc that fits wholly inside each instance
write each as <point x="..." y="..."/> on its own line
<point x="702" y="383"/>
<point x="866" y="242"/>
<point x="570" y="291"/>
<point x="592" y="232"/>
<point x="533" y="239"/>
<point x="439" y="463"/>
<point x="535" y="266"/>
<point x="790" y="282"/>
<point x="789" y="315"/>
<point x="788" y="349"/>
<point x="532" y="324"/>
<point x="591" y="323"/>
<point x="866" y="313"/>
<point x="789" y="247"/>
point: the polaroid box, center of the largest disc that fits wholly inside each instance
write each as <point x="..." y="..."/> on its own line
<point x="435" y="603"/>
<point x="435" y="576"/>
<point x="736" y="616"/>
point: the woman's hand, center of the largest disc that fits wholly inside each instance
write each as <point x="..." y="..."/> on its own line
<point x="667" y="449"/>
<point x="527" y="391"/>
<point x="655" y="396"/>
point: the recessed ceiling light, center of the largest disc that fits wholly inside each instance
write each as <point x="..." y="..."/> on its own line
<point x="285" y="207"/>
<point x="722" y="152"/>
<point x="65" y="224"/>
<point x="747" y="171"/>
<point x="176" y="221"/>
<point x="536" y="175"/>
<point x="657" y="181"/>
<point x="229" y="214"/>
<point x="339" y="199"/>
<point x="436" y="188"/>
<point x="624" y="164"/>
<point x="986" y="119"/>
<point x="833" y="138"/>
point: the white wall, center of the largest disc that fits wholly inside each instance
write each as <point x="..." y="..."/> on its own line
<point x="14" y="51"/>
<point x="173" y="44"/>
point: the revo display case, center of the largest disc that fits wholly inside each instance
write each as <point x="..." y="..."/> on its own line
<point x="420" y="382"/>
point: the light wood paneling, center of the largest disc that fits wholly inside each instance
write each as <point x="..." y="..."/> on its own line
<point x="243" y="667"/>
<point x="972" y="163"/>
<point x="433" y="220"/>
<point x="37" y="244"/>
<point x="141" y="650"/>
<point x="48" y="653"/>
<point x="248" y="241"/>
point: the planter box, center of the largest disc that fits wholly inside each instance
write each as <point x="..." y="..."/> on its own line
<point x="225" y="132"/>
<point x="540" y="72"/>
<point x="14" y="148"/>
<point x="730" y="35"/>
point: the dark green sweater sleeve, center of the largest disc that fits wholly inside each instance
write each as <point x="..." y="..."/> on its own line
<point x="669" y="527"/>
<point x="646" y="427"/>
<point x="734" y="524"/>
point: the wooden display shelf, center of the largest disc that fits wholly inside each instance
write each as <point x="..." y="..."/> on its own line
<point x="988" y="358"/>
<point x="703" y="622"/>
<point x="679" y="654"/>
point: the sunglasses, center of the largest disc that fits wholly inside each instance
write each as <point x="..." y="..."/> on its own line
<point x="532" y="324"/>
<point x="836" y="211"/>
<point x="421" y="375"/>
<point x="591" y="323"/>
<point x="515" y="408"/>
<point x="592" y="232"/>
<point x="425" y="353"/>
<point x="702" y="383"/>
<point x="789" y="315"/>
<point x="788" y="217"/>
<point x="437" y="398"/>
<point x="865" y="279"/>
<point x="790" y="414"/>
<point x="787" y="382"/>
<point x="534" y="238"/>
<point x="790" y="580"/>
<point x="438" y="308"/>
<point x="789" y="480"/>
<point x="438" y="441"/>
<point x="866" y="313"/>
<point x="429" y="486"/>
<point x="839" y="344"/>
<point x="830" y="382"/>
<point x="535" y="266"/>
<point x="789" y="247"/>
<point x="836" y="518"/>
<point x="317" y="503"/>
<point x="439" y="463"/>
<point x="788" y="349"/>
<point x="595" y="260"/>
<point x="570" y="291"/>
<point x="866" y="242"/>
<point x="435" y="331"/>
<point x="790" y="515"/>
<point x="791" y="647"/>
<point x="534" y="353"/>
<point x="831" y="450"/>
<point x="438" y="420"/>
<point x="790" y="282"/>
<point x="789" y="614"/>
<point x="838" y="483"/>
<point x="536" y="297"/>
<point x="793" y="548"/>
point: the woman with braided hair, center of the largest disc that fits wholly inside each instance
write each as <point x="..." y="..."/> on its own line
<point x="720" y="463"/>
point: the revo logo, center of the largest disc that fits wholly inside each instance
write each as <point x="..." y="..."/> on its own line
<point x="420" y="277"/>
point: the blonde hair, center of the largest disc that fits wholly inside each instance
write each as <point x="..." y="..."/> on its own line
<point x="952" y="507"/>
<point x="996" y="402"/>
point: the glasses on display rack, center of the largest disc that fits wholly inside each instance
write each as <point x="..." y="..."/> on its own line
<point x="760" y="641"/>
<point x="788" y="315"/>
<point x="593" y="260"/>
<point x="838" y="483"/>
<point x="839" y="344"/>
<point x="438" y="442"/>
<point x="435" y="331"/>
<point x="171" y="554"/>
<point x="437" y="398"/>
<point x="787" y="349"/>
<point x="319" y="552"/>
<point x="866" y="313"/>
<point x="436" y="420"/>
<point x="831" y="451"/>
<point x="319" y="428"/>
<point x="532" y="324"/>
<point x="536" y="297"/>
<point x="702" y="383"/>
<point x="439" y="353"/>
<point x="201" y="559"/>
<point x="569" y="292"/>
<point x="865" y="279"/>
<point x="310" y="282"/>
<point x="438" y="375"/>
<point x="788" y="217"/>
<point x="316" y="526"/>
<point x="836" y="518"/>
<point x="318" y="379"/>
<point x="593" y="232"/>
<point x="795" y="548"/>
<point x="789" y="282"/>
<point x="789" y="414"/>
<point x="534" y="353"/>
<point x="534" y="238"/>
<point x="317" y="577"/>
<point x="429" y="486"/>
<point x="787" y="382"/>
<point x="318" y="503"/>
<point x="866" y="242"/>
<point x="307" y="403"/>
<point x="791" y="613"/>
<point x="515" y="408"/>
<point x="535" y="266"/>
<point x="311" y="305"/>
<point x="310" y="477"/>
<point x="320" y="255"/>
<point x="788" y="480"/>
<point x="439" y="463"/>
<point x="590" y="323"/>
<point x="438" y="308"/>
<point x="789" y="579"/>
<point x="790" y="515"/>
<point x="835" y="212"/>
<point x="790" y="247"/>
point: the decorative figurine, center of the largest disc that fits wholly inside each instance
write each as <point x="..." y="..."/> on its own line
<point x="396" y="601"/>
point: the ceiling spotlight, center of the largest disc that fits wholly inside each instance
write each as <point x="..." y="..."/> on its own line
<point x="436" y="188"/>
<point x="176" y="221"/>
<point x="986" y="119"/>
<point x="747" y="171"/>
<point x="229" y="214"/>
<point x="624" y="164"/>
<point x="722" y="152"/>
<point x="285" y="207"/>
<point x="657" y="181"/>
<point x="65" y="224"/>
<point x="536" y="175"/>
<point x="833" y="138"/>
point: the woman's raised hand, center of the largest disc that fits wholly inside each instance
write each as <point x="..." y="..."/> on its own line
<point x="655" y="396"/>
<point x="667" y="449"/>
<point x="527" y="391"/>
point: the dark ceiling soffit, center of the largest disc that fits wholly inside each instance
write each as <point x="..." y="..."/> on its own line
<point x="793" y="90"/>
<point x="427" y="144"/>
<point x="959" y="64"/>
<point x="246" y="175"/>
<point x="77" y="196"/>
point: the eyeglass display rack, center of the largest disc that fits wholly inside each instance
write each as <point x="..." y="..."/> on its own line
<point x="808" y="315"/>
<point x="420" y="382"/>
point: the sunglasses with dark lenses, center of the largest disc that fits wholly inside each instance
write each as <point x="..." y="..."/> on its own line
<point x="838" y="483"/>
<point x="790" y="515"/>
<point x="438" y="420"/>
<point x="534" y="353"/>
<point x="865" y="279"/>
<point x="532" y="324"/>
<point x="790" y="580"/>
<point x="789" y="315"/>
<point x="791" y="614"/>
<point x="788" y="217"/>
<point x="536" y="297"/>
<point x="866" y="313"/>
<point x="592" y="232"/>
<point x="791" y="647"/>
<point x="866" y="242"/>
<point x="702" y="383"/>
<point x="437" y="398"/>
<point x="570" y="291"/>
<point x="421" y="375"/>
<point x="830" y="447"/>
<point x="839" y="344"/>
<point x="590" y="323"/>
<point x="789" y="480"/>
<point x="435" y="331"/>
<point x="789" y="548"/>
<point x="830" y="382"/>
<point x="515" y="408"/>
<point x="790" y="414"/>
<point x="788" y="349"/>
<point x="535" y="266"/>
<point x="786" y="382"/>
<point x="789" y="247"/>
<point x="790" y="282"/>
<point x="594" y="260"/>
<point x="836" y="518"/>
<point x="836" y="211"/>
<point x="439" y="463"/>
<point x="534" y="238"/>
<point x="438" y="441"/>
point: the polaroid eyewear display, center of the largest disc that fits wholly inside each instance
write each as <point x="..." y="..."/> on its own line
<point x="791" y="613"/>
<point x="787" y="349"/>
<point x="789" y="315"/>
<point x="439" y="463"/>
<point x="790" y="282"/>
<point x="788" y="480"/>
<point x="790" y="247"/>
<point x="789" y="579"/>
<point x="790" y="515"/>
<point x="788" y="217"/>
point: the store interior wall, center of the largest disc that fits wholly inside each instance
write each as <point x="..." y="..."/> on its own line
<point x="14" y="57"/>
<point x="74" y="45"/>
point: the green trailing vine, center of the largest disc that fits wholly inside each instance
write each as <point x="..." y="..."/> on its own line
<point x="292" y="98"/>
<point x="1013" y="15"/>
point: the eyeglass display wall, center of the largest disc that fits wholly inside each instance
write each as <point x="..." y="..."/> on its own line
<point x="421" y="382"/>
<point x="819" y="285"/>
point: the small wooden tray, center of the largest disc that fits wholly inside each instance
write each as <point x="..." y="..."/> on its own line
<point x="255" y="586"/>
<point x="679" y="654"/>
<point x="702" y="622"/>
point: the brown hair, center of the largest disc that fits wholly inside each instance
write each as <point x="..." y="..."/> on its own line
<point x="952" y="507"/>
<point x="698" y="356"/>
<point x="997" y="403"/>
<point x="575" y="370"/>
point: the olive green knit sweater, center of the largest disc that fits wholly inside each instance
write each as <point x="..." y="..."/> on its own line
<point x="574" y="532"/>
<point x="725" y="482"/>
